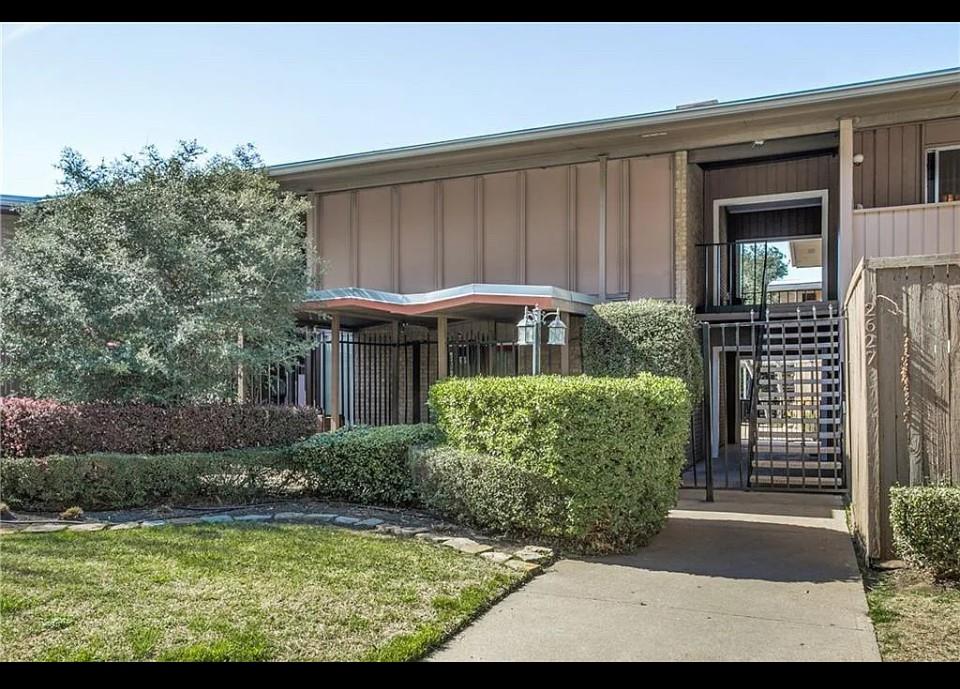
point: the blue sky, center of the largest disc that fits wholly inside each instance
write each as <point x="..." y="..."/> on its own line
<point x="300" y="91"/>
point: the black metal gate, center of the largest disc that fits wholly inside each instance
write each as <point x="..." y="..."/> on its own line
<point x="384" y="376"/>
<point x="772" y="413"/>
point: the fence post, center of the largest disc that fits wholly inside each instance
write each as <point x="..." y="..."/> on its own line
<point x="442" y="347"/>
<point x="395" y="375"/>
<point x="335" y="372"/>
<point x="707" y="421"/>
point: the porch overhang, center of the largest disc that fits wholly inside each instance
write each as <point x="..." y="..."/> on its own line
<point x="463" y="301"/>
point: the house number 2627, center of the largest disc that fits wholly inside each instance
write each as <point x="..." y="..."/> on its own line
<point x="870" y="328"/>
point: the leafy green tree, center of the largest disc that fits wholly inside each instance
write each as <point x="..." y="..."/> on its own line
<point x="135" y="281"/>
<point x="754" y="279"/>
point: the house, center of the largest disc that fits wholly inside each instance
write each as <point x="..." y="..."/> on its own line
<point x="9" y="212"/>
<point x="432" y="252"/>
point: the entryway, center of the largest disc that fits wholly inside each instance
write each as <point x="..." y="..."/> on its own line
<point x="752" y="576"/>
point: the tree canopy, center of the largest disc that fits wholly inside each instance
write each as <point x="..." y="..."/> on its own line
<point x="760" y="264"/>
<point x="134" y="282"/>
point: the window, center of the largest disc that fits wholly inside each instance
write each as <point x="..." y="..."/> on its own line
<point x="943" y="174"/>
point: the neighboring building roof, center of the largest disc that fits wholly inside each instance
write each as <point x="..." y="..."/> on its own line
<point x="689" y="113"/>
<point x="9" y="202"/>
<point x="793" y="286"/>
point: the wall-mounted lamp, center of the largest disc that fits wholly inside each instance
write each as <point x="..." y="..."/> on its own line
<point x="857" y="158"/>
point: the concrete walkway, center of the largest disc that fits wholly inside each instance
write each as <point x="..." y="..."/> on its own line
<point x="752" y="576"/>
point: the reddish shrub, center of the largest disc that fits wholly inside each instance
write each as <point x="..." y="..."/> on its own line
<point x="36" y="428"/>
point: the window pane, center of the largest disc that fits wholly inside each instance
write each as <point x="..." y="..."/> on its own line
<point x="931" y="177"/>
<point x="949" y="186"/>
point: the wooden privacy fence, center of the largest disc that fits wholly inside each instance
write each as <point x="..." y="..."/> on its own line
<point x="903" y="384"/>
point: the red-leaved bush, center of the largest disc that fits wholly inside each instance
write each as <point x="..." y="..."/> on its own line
<point x="37" y="428"/>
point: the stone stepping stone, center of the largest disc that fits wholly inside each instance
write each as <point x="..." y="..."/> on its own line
<point x="496" y="556"/>
<point x="465" y="545"/>
<point x="94" y="526"/>
<point x="522" y="566"/>
<point x="44" y="528"/>
<point x="216" y="518"/>
<point x="124" y="526"/>
<point x="528" y="554"/>
<point x="345" y="521"/>
<point x="183" y="521"/>
<point x="153" y="522"/>
<point x="253" y="518"/>
<point x="369" y="523"/>
<point x="319" y="517"/>
<point x="429" y="536"/>
<point x="288" y="516"/>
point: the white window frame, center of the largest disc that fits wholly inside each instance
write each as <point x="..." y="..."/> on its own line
<point x="936" y="177"/>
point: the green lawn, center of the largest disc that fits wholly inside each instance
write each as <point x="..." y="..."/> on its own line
<point x="215" y="592"/>
<point x="915" y="619"/>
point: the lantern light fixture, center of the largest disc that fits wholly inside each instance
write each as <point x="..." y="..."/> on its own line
<point x="528" y="331"/>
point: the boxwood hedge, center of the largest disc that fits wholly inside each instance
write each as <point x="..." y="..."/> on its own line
<point x="625" y="338"/>
<point x="489" y="492"/>
<point x="613" y="447"/>
<point x="122" y="481"/>
<point x="363" y="463"/>
<point x="926" y="527"/>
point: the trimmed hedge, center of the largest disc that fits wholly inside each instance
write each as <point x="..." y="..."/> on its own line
<point x="36" y="428"/>
<point x="363" y="463"/>
<point x="489" y="493"/>
<point x="614" y="447"/>
<point x="926" y="527"/>
<point x="624" y="338"/>
<point x="116" y="481"/>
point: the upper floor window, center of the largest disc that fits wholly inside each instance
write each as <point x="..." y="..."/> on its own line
<point x="943" y="174"/>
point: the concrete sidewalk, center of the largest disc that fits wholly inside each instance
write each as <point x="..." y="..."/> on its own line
<point x="752" y="576"/>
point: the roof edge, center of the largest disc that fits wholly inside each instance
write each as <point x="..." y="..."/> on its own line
<point x="888" y="85"/>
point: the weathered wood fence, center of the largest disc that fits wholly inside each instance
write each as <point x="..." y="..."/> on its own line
<point x="902" y="346"/>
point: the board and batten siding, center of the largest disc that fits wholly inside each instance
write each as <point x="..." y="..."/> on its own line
<point x="537" y="226"/>
<point x="903" y="385"/>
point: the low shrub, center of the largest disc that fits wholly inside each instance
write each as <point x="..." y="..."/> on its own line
<point x="36" y="428"/>
<point x="625" y="338"/>
<point x="926" y="527"/>
<point x="364" y="464"/>
<point x="116" y="481"/>
<point x="489" y="493"/>
<point x="612" y="447"/>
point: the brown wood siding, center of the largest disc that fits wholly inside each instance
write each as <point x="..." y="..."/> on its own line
<point x="809" y="173"/>
<point x="786" y="222"/>
<point x="893" y="168"/>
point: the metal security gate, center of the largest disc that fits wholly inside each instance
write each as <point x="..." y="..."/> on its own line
<point x="384" y="376"/>
<point x="772" y="413"/>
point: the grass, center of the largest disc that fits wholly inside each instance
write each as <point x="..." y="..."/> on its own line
<point x="915" y="618"/>
<point x="231" y="592"/>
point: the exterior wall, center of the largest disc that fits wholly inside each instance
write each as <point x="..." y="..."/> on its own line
<point x="892" y="172"/>
<point x="536" y="226"/>
<point x="7" y="226"/>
